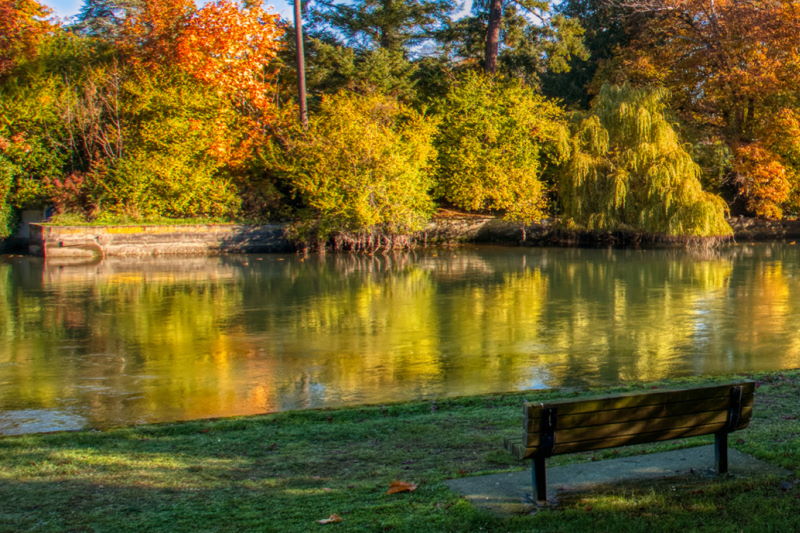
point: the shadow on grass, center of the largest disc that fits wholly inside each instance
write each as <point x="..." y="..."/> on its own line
<point x="284" y="472"/>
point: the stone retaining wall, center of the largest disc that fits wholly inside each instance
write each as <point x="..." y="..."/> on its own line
<point x="86" y="243"/>
<point x="753" y="229"/>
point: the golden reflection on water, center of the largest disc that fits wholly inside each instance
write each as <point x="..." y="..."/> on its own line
<point x="129" y="341"/>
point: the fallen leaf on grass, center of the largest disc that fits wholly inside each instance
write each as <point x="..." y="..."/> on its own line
<point x="401" y="486"/>
<point x="332" y="519"/>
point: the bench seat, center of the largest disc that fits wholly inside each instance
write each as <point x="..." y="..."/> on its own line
<point x="569" y="426"/>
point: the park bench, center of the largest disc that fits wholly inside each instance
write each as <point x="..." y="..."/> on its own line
<point x="568" y="426"/>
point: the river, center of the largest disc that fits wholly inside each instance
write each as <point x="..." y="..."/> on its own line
<point x="129" y="341"/>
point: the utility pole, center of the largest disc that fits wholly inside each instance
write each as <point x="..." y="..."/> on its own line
<point x="301" y="63"/>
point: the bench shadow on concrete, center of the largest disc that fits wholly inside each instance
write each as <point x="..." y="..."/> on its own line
<point x="508" y="493"/>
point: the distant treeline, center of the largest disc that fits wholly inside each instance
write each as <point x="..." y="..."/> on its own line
<point x="652" y="116"/>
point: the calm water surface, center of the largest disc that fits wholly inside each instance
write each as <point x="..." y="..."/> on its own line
<point x="132" y="341"/>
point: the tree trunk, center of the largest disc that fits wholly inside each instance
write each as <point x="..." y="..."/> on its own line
<point x="493" y="35"/>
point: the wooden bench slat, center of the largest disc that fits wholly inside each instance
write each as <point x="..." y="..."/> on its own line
<point x="570" y="407"/>
<point x="639" y="438"/>
<point x="628" y="414"/>
<point x="564" y="436"/>
<point x="675" y="433"/>
<point x="707" y="418"/>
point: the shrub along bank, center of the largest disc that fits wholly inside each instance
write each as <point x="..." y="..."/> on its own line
<point x="285" y="471"/>
<point x="146" y="110"/>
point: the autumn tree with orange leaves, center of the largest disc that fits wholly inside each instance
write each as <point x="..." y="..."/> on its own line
<point x="732" y="67"/>
<point x="23" y="23"/>
<point x="150" y="34"/>
<point x="233" y="47"/>
<point x="225" y="44"/>
<point x="153" y="109"/>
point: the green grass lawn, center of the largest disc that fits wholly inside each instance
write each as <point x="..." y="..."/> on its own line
<point x="283" y="472"/>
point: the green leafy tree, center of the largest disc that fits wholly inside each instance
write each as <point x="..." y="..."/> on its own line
<point x="7" y="172"/>
<point x="521" y="37"/>
<point x="362" y="166"/>
<point x="35" y="143"/>
<point x="175" y="161"/>
<point x="397" y="26"/>
<point x="366" y="45"/>
<point x="332" y="67"/>
<point x="628" y="170"/>
<point x="607" y="26"/>
<point x="497" y="140"/>
<point x="105" y="18"/>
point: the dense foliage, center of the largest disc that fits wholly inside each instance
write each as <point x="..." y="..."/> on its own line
<point x="497" y="139"/>
<point x="361" y="166"/>
<point x="629" y="170"/>
<point x="144" y="121"/>
<point x="142" y="109"/>
<point x="732" y="69"/>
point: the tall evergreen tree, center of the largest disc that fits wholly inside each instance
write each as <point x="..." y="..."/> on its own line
<point x="104" y="18"/>
<point x="523" y="39"/>
<point x="397" y="26"/>
<point x="607" y="25"/>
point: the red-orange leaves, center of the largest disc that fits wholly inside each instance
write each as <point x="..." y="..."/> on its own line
<point x="151" y="35"/>
<point x="231" y="46"/>
<point x="401" y="486"/>
<point x="763" y="180"/>
<point x="22" y="25"/>
<point x="332" y="519"/>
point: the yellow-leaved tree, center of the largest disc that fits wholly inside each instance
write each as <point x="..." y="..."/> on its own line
<point x="361" y="171"/>
<point x="497" y="140"/>
<point x="629" y="171"/>
<point x="732" y="68"/>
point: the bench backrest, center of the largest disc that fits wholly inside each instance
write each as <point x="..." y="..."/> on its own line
<point x="610" y="421"/>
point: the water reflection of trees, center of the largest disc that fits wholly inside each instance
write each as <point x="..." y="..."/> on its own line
<point x="218" y="336"/>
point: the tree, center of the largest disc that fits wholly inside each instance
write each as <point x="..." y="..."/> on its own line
<point x="150" y="35"/>
<point x="526" y="41"/>
<point x="106" y="18"/>
<point x="607" y="26"/>
<point x="23" y="24"/>
<point x="361" y="167"/>
<point x="531" y="30"/>
<point x="732" y="67"/>
<point x="397" y="26"/>
<point x="182" y="152"/>
<point x="232" y="46"/>
<point x="628" y="170"/>
<point x="497" y="140"/>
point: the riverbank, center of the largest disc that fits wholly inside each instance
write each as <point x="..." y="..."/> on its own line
<point x="283" y="472"/>
<point x="87" y="243"/>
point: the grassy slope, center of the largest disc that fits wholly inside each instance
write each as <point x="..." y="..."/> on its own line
<point x="283" y="472"/>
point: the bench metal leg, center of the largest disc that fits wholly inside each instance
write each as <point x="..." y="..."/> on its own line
<point x="539" y="480"/>
<point x="721" y="451"/>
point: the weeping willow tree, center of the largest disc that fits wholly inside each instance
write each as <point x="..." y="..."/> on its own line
<point x="629" y="171"/>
